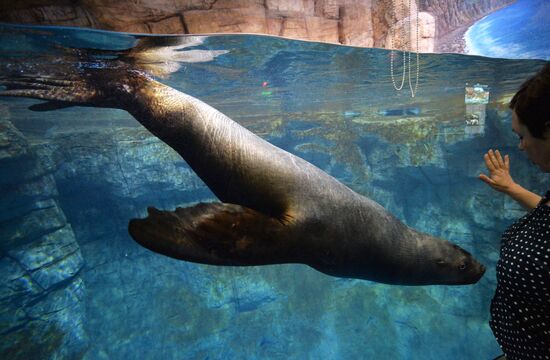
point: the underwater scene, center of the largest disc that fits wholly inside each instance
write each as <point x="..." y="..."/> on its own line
<point x="75" y="285"/>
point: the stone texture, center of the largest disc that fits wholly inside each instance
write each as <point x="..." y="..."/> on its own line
<point x="350" y="22"/>
<point x="321" y="29"/>
<point x="41" y="293"/>
<point x="49" y="327"/>
<point x="238" y="4"/>
<point x="291" y="8"/>
<point x="30" y="226"/>
<point x="63" y="15"/>
<point x="226" y="21"/>
<point x="425" y="34"/>
<point x="453" y="14"/>
<point x="123" y="162"/>
<point x="22" y="198"/>
<point x="50" y="260"/>
<point x="454" y="17"/>
<point x="311" y="28"/>
<point x="357" y="27"/>
<point x="12" y="143"/>
<point x="171" y="25"/>
<point x="329" y="9"/>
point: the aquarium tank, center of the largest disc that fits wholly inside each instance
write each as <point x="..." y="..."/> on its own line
<point x="76" y="286"/>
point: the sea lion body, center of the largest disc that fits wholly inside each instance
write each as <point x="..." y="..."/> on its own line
<point x="276" y="207"/>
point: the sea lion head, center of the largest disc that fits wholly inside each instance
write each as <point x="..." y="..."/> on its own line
<point x="453" y="265"/>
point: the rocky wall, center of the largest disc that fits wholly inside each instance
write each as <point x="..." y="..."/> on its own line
<point x="41" y="292"/>
<point x="454" y="14"/>
<point x="352" y="22"/>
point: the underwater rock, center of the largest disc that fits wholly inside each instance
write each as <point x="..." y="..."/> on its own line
<point x="41" y="322"/>
<point x="16" y="290"/>
<point x="242" y="291"/>
<point x="28" y="227"/>
<point x="17" y="161"/>
<point x="408" y="141"/>
<point x="50" y="327"/>
<point x="124" y="162"/>
<point x="23" y="197"/>
<point x="41" y="293"/>
<point x="25" y="184"/>
<point x="13" y="144"/>
<point x="52" y="259"/>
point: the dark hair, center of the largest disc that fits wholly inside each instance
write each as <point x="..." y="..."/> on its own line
<point x="532" y="103"/>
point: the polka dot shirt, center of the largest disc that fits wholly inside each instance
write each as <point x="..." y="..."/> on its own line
<point x="520" y="310"/>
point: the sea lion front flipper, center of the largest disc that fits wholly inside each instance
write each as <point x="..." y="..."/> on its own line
<point x="216" y="234"/>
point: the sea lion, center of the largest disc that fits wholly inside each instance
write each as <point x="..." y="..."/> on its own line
<point x="276" y="207"/>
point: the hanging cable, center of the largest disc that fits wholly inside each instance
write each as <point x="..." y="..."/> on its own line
<point x="406" y="49"/>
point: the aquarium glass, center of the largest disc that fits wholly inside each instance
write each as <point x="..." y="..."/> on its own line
<point x="75" y="285"/>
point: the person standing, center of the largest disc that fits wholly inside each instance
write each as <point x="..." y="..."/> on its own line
<point x="520" y="308"/>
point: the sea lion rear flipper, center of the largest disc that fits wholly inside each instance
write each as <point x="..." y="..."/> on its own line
<point x="214" y="233"/>
<point x="96" y="87"/>
<point x="57" y="91"/>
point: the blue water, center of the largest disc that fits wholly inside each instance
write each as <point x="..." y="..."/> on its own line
<point x="75" y="285"/>
<point x="519" y="31"/>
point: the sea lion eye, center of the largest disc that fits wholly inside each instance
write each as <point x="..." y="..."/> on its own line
<point x="462" y="267"/>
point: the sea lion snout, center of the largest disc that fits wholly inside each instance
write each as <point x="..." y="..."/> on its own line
<point x="477" y="272"/>
<point x="473" y="269"/>
<point x="459" y="267"/>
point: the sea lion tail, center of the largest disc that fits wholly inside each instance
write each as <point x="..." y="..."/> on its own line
<point x="213" y="233"/>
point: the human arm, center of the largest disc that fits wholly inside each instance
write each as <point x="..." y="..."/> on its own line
<point x="500" y="179"/>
